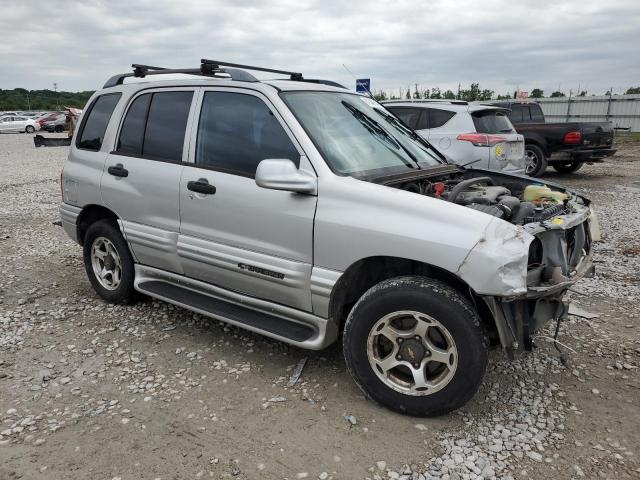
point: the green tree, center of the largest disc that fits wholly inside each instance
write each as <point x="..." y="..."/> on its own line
<point x="557" y="94"/>
<point x="408" y="95"/>
<point x="449" y="95"/>
<point x="22" y="99"/>
<point x="633" y="91"/>
<point x="380" y="96"/>
<point x="537" y="93"/>
<point x="470" y="94"/>
<point x="583" y="93"/>
<point x="435" y="93"/>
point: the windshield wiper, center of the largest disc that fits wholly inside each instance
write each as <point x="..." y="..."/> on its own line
<point x="375" y="128"/>
<point x="407" y="131"/>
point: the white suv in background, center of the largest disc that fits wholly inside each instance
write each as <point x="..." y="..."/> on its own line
<point x="476" y="135"/>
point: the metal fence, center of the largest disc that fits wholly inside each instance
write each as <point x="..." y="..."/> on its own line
<point x="622" y="110"/>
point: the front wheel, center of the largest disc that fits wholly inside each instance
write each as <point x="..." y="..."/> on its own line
<point x="58" y="129"/>
<point x="416" y="346"/>
<point x="535" y="161"/>
<point x="567" y="167"/>
<point x="30" y="129"/>
<point x="108" y="262"/>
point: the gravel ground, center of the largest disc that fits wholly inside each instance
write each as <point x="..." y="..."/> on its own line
<point x="150" y="391"/>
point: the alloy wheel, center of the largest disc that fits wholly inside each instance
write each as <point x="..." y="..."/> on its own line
<point x="412" y="353"/>
<point x="106" y="263"/>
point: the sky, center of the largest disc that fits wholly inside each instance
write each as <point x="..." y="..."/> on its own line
<point x="502" y="44"/>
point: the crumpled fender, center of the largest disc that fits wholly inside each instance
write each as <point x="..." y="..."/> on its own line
<point x="497" y="264"/>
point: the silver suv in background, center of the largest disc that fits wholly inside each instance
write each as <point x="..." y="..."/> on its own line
<point x="467" y="134"/>
<point x="305" y="212"/>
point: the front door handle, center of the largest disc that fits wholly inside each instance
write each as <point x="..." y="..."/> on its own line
<point x="118" y="171"/>
<point x="201" y="185"/>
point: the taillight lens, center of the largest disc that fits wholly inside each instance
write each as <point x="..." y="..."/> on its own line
<point x="481" y="139"/>
<point x="572" y="138"/>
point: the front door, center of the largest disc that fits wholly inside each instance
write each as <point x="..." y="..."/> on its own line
<point x="141" y="180"/>
<point x="233" y="233"/>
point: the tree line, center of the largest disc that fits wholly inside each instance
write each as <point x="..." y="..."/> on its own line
<point x="473" y="93"/>
<point x="23" y="99"/>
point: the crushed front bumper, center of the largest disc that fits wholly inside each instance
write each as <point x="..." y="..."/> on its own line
<point x="516" y="319"/>
<point x="566" y="258"/>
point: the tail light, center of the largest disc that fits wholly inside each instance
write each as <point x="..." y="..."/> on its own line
<point x="572" y="138"/>
<point x="481" y="139"/>
<point x="61" y="188"/>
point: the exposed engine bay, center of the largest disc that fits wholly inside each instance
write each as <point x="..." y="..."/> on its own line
<point x="510" y="198"/>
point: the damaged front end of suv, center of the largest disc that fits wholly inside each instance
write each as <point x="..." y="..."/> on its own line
<point x="554" y="225"/>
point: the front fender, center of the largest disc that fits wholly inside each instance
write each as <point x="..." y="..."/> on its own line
<point x="497" y="264"/>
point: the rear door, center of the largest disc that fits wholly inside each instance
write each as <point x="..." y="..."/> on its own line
<point x="441" y="131"/>
<point x="234" y="234"/>
<point x="141" y="180"/>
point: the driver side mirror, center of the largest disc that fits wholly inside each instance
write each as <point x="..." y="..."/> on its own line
<point x="282" y="174"/>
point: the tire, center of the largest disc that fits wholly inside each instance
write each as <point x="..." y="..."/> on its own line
<point x="116" y="286"/>
<point x="58" y="129"/>
<point x="535" y="160"/>
<point x="451" y="322"/>
<point x="567" y="167"/>
<point x="30" y="129"/>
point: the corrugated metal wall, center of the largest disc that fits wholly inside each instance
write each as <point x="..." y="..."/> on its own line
<point x="621" y="110"/>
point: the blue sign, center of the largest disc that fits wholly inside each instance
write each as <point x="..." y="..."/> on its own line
<point x="363" y="85"/>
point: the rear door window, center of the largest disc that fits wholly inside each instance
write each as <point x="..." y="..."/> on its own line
<point x="95" y="122"/>
<point x="132" y="132"/>
<point x="519" y="114"/>
<point x="155" y="126"/>
<point x="536" y="113"/>
<point x="409" y="116"/>
<point x="437" y="117"/>
<point x="166" y="125"/>
<point x="491" y="121"/>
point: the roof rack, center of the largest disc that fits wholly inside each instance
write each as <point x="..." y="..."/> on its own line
<point x="427" y="100"/>
<point x="211" y="68"/>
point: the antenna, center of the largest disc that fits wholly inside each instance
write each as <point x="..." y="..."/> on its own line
<point x="354" y="77"/>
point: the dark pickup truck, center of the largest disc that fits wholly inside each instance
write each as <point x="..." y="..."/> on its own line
<point x="564" y="146"/>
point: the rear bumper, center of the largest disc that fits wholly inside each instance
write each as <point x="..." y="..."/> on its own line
<point x="583" y="155"/>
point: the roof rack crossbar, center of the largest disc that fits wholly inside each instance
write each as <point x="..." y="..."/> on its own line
<point x="293" y="75"/>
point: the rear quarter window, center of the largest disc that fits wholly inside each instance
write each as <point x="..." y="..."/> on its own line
<point x="95" y="122"/>
<point x="437" y="117"/>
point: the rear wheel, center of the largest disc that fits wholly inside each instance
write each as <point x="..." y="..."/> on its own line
<point x="416" y="346"/>
<point x="30" y="129"/>
<point x="108" y="262"/>
<point x="567" y="167"/>
<point x="58" y="129"/>
<point x="535" y="161"/>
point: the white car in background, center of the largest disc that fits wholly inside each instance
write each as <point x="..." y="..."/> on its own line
<point x="12" y="123"/>
<point x="476" y="135"/>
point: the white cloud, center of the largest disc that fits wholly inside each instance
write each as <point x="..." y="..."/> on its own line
<point x="501" y="44"/>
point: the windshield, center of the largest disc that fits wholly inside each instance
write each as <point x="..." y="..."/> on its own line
<point x="356" y="135"/>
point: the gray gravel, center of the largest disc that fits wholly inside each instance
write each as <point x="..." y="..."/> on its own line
<point x="89" y="390"/>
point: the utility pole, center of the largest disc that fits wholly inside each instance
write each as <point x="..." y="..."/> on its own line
<point x="55" y="89"/>
<point x="28" y="101"/>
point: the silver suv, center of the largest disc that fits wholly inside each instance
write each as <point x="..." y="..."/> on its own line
<point x="478" y="135"/>
<point x="302" y="211"/>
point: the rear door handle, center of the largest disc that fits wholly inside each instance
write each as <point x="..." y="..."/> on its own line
<point x="118" y="171"/>
<point x="201" y="185"/>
